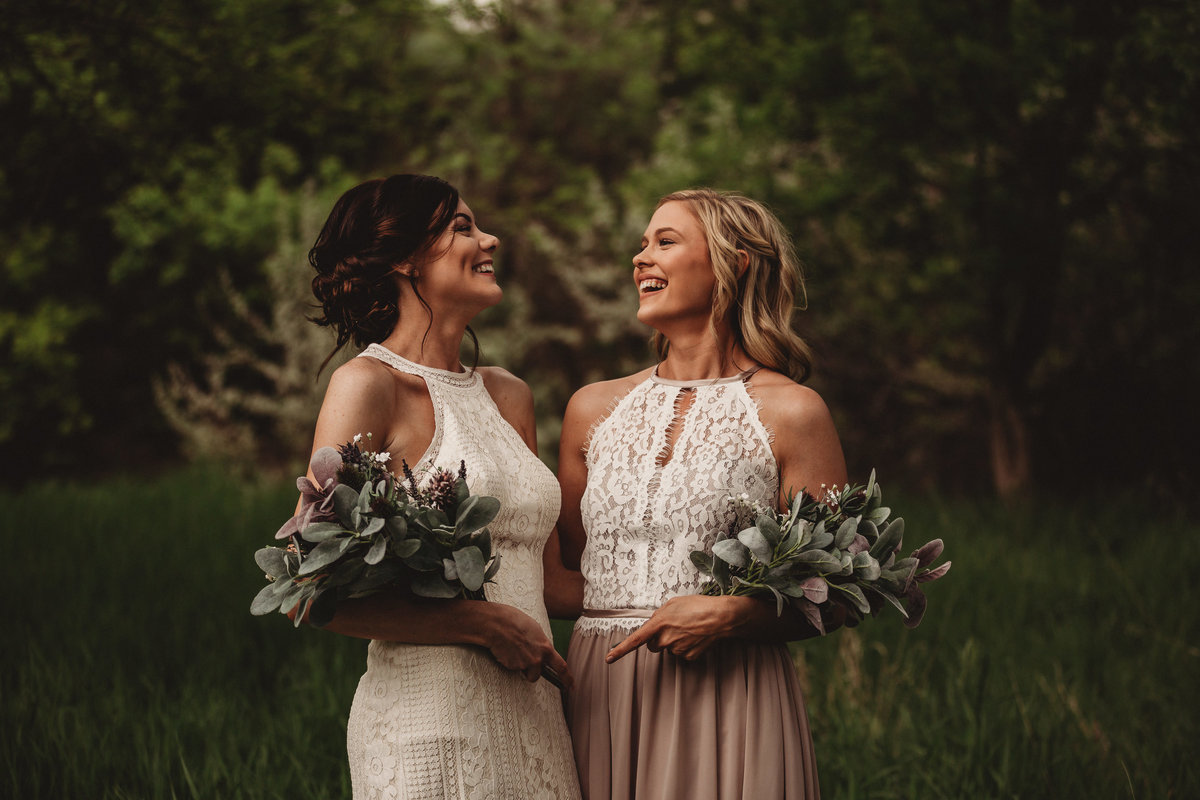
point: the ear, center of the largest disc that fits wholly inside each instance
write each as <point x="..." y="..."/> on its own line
<point x="743" y="263"/>
<point x="406" y="269"/>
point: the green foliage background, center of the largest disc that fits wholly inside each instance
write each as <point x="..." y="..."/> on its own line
<point x="995" y="201"/>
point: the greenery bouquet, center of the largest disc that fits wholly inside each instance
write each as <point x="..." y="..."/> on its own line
<point x="361" y="528"/>
<point x="842" y="549"/>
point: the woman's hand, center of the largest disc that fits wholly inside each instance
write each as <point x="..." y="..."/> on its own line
<point x="687" y="626"/>
<point x="517" y="642"/>
<point x="684" y="626"/>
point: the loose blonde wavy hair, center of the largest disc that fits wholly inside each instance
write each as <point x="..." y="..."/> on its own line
<point x="759" y="304"/>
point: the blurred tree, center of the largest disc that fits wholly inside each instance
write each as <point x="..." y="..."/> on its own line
<point x="132" y="132"/>
<point x="992" y="194"/>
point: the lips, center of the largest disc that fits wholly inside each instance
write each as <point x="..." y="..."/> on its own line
<point x="484" y="268"/>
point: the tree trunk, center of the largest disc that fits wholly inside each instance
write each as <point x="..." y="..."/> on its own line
<point x="1009" y="445"/>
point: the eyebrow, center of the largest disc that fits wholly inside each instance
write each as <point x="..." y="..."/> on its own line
<point x="464" y="215"/>
<point x="661" y="231"/>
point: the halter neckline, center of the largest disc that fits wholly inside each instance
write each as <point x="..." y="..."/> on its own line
<point x="740" y="377"/>
<point x="465" y="378"/>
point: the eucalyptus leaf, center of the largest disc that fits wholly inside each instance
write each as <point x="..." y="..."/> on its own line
<point x="397" y="526"/>
<point x="374" y="526"/>
<point x="461" y="492"/>
<point x="822" y="562"/>
<point x="733" y="552"/>
<point x="476" y="512"/>
<point x="721" y="574"/>
<point x="406" y="547"/>
<point x="272" y="561"/>
<point x="794" y="535"/>
<point x="471" y="567"/>
<point x="816" y="589"/>
<point x="889" y="539"/>
<point x="821" y="538"/>
<point x="289" y="598"/>
<point x="302" y="609"/>
<point x="449" y="569"/>
<point x="845" y="533"/>
<point x="855" y="594"/>
<point x="483" y="540"/>
<point x="813" y="615"/>
<point x="757" y="543"/>
<point x="778" y="600"/>
<point x="378" y="549"/>
<point x="324" y="554"/>
<point x="435" y="518"/>
<point x="891" y="598"/>
<point x="703" y="561"/>
<point x="879" y="515"/>
<point x="345" y="501"/>
<point x="267" y="599"/>
<point x="768" y="526"/>
<point x="866" y="568"/>
<point x="424" y="559"/>
<point x="492" y="569"/>
<point x="320" y="531"/>
<point x="364" y="498"/>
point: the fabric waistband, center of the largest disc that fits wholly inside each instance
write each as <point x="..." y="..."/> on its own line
<point x="618" y="613"/>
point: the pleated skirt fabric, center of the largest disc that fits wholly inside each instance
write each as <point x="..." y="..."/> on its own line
<point x="729" y="726"/>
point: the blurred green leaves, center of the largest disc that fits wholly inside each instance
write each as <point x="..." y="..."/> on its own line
<point x="995" y="204"/>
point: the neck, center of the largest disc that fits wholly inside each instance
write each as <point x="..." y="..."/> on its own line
<point x="436" y="346"/>
<point x="701" y="355"/>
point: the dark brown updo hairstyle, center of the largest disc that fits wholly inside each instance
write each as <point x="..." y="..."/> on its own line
<point x="372" y="230"/>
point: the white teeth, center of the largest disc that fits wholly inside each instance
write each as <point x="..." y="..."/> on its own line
<point x="651" y="284"/>
<point x="486" y="269"/>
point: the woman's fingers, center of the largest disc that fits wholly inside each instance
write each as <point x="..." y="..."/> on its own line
<point x="633" y="641"/>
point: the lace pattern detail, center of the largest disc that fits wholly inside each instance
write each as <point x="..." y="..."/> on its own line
<point x="649" y="502"/>
<point x="447" y="721"/>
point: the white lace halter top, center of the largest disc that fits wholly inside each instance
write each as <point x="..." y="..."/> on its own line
<point x="650" y="501"/>
<point x="468" y="427"/>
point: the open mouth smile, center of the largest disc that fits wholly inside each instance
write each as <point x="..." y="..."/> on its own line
<point x="651" y="285"/>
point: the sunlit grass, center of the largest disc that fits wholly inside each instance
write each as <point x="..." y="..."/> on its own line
<point x="1058" y="658"/>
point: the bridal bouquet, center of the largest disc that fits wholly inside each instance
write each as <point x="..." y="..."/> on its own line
<point x="360" y="528"/>
<point x="842" y="549"/>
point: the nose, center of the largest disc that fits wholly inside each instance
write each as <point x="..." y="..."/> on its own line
<point x="488" y="242"/>
<point x="639" y="259"/>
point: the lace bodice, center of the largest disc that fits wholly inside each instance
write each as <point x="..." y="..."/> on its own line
<point x="448" y="721"/>
<point x="651" y="498"/>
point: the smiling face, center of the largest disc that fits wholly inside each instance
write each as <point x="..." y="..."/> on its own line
<point x="673" y="272"/>
<point x="458" y="271"/>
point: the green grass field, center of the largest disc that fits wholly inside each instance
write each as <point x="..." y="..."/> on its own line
<point x="1058" y="658"/>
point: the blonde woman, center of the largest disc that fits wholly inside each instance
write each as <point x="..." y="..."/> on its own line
<point x="677" y="694"/>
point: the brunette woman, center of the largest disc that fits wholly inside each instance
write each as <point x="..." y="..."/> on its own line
<point x="451" y="704"/>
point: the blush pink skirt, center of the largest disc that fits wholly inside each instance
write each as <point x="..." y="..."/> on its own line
<point x="729" y="726"/>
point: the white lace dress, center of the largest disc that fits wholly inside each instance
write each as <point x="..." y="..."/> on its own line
<point x="448" y="722"/>
<point x="651" y="726"/>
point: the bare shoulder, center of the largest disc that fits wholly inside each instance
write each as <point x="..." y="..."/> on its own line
<point x="594" y="400"/>
<point x="370" y="381"/>
<point x="364" y="378"/>
<point x="806" y="443"/>
<point x="505" y="388"/>
<point x="786" y="405"/>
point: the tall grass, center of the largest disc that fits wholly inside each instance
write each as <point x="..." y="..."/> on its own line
<point x="1059" y="657"/>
